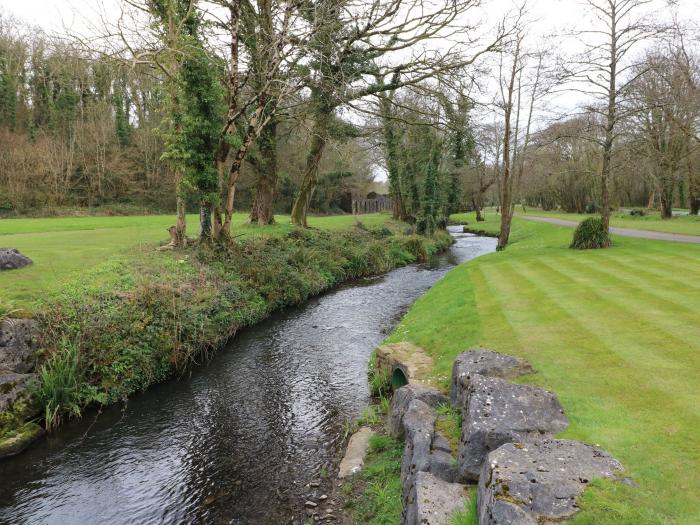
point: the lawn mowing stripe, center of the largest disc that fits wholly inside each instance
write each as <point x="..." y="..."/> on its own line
<point x="658" y="336"/>
<point x="631" y="381"/>
<point x="681" y="314"/>
<point x="668" y="289"/>
<point x="671" y="268"/>
<point x="655" y="360"/>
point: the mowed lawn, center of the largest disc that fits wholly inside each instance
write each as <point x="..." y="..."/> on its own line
<point x="62" y="248"/>
<point x="615" y="333"/>
<point x="683" y="224"/>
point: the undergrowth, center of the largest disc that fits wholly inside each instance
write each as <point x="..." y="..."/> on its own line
<point x="126" y="325"/>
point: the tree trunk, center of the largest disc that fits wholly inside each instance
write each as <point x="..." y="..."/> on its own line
<point x="313" y="159"/>
<point x="262" y="211"/>
<point x="506" y="193"/>
<point x="477" y="209"/>
<point x="181" y="223"/>
<point x="205" y="222"/>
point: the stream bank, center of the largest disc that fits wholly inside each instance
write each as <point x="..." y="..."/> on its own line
<point x="243" y="437"/>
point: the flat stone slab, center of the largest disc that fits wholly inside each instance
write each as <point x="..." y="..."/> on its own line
<point x="539" y="483"/>
<point x="12" y="387"/>
<point x="485" y="363"/>
<point x="402" y="399"/>
<point x="16" y="345"/>
<point x="355" y="453"/>
<point x="404" y="359"/>
<point x="435" y="501"/>
<point x="11" y="259"/>
<point x="498" y="412"/>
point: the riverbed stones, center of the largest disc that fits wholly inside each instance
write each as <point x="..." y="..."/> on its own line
<point x="485" y="363"/>
<point x="11" y="259"/>
<point x="538" y="483"/>
<point x="435" y="501"/>
<point x="20" y="439"/>
<point x="404" y="363"/>
<point x="498" y="412"/>
<point x="16" y="345"/>
<point x="401" y="401"/>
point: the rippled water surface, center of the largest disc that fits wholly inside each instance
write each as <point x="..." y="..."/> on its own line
<point x="238" y="438"/>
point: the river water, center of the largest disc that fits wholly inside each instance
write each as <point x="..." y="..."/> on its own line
<point x="238" y="439"/>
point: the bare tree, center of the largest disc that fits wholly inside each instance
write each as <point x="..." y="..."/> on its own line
<point x="604" y="66"/>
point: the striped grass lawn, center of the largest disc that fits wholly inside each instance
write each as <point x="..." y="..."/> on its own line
<point x="62" y="248"/>
<point x="615" y="333"/>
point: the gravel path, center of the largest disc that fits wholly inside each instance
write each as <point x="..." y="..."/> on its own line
<point x="625" y="232"/>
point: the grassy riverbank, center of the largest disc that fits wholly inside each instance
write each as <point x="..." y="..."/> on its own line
<point x="133" y="321"/>
<point x="613" y="332"/>
<point x="64" y="247"/>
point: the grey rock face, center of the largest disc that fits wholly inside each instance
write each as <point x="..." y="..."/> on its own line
<point x="499" y="412"/>
<point x="12" y="387"/>
<point x="16" y="348"/>
<point x="485" y="363"/>
<point x="436" y="501"/>
<point x="425" y="452"/>
<point x="538" y="483"/>
<point x="401" y="400"/>
<point x="11" y="259"/>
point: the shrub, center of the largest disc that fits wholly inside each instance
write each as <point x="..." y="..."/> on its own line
<point x="590" y="234"/>
<point x="637" y="212"/>
<point x="592" y="207"/>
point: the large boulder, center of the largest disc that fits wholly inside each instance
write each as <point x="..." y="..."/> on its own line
<point x="499" y="412"/>
<point x="485" y="363"/>
<point x="401" y="401"/>
<point x="436" y="501"/>
<point x="16" y="345"/>
<point x="20" y="439"/>
<point x="11" y="259"/>
<point x="538" y="483"/>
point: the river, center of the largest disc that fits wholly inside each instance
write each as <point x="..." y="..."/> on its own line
<point x="239" y="438"/>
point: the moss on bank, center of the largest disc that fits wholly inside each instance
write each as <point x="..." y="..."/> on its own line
<point x="128" y="324"/>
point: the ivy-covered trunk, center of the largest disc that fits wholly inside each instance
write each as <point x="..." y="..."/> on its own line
<point x="319" y="137"/>
<point x="262" y="211"/>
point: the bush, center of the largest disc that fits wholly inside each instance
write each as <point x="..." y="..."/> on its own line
<point x="638" y="212"/>
<point x="592" y="207"/>
<point x="590" y="234"/>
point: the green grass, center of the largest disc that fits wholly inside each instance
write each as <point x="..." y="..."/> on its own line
<point x="377" y="486"/>
<point x="682" y="224"/>
<point x="62" y="248"/>
<point x="615" y="333"/>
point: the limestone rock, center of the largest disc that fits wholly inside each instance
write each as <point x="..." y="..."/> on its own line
<point x="355" y="453"/>
<point x="499" y="412"/>
<point x="16" y="345"/>
<point x="11" y="259"/>
<point x="435" y="501"/>
<point x="485" y="363"/>
<point x="401" y="400"/>
<point x="13" y="387"/>
<point x="538" y="483"/>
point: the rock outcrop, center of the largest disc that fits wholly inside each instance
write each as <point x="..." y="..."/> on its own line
<point x="538" y="483"/>
<point x="485" y="363"/>
<point x="436" y="501"/>
<point x="16" y="345"/>
<point x="499" y="412"/>
<point x="13" y="388"/>
<point x="426" y="451"/>
<point x="402" y="399"/>
<point x="11" y="259"/>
